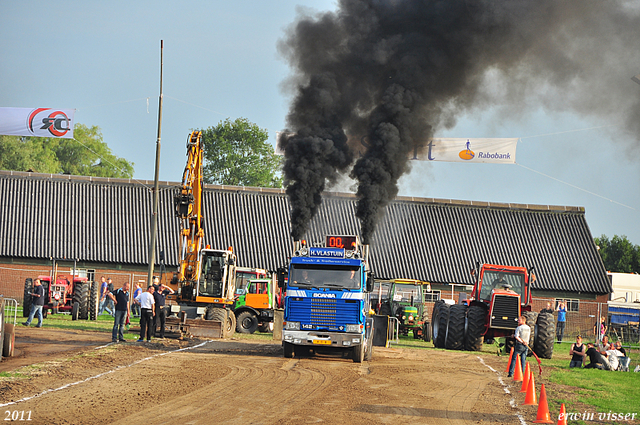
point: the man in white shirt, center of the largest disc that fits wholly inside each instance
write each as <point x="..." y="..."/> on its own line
<point x="522" y="334"/>
<point x="147" y="312"/>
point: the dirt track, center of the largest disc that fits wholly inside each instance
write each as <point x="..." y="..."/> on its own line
<point x="243" y="382"/>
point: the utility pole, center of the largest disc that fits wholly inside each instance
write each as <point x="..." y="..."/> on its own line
<point x="154" y="217"/>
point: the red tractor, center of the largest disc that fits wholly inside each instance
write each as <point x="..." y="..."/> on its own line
<point x="78" y="296"/>
<point x="500" y="294"/>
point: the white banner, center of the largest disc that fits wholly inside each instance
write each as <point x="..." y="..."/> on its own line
<point x="486" y="150"/>
<point x="38" y="122"/>
<point x="496" y="151"/>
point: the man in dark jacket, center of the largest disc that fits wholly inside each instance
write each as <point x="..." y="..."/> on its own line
<point x="596" y="361"/>
<point x="160" y="296"/>
<point x="37" y="302"/>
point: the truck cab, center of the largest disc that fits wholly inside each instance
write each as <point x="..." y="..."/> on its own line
<point x="327" y="304"/>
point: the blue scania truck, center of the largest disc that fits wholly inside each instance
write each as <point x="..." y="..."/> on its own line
<point x="327" y="304"/>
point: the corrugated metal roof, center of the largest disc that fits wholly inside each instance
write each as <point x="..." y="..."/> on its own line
<point x="108" y="221"/>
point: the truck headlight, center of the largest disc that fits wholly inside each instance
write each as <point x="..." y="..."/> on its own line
<point x="292" y="326"/>
<point x="353" y="328"/>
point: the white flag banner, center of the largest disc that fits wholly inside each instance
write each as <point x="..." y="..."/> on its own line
<point x="489" y="150"/>
<point x="486" y="150"/>
<point x="38" y="122"/>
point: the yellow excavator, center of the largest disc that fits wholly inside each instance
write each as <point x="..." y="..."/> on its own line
<point x="206" y="277"/>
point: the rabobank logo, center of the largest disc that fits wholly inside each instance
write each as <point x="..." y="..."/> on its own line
<point x="467" y="154"/>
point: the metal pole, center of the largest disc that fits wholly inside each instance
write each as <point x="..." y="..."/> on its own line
<point x="154" y="220"/>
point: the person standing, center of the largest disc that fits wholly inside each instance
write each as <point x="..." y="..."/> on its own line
<point x="522" y="334"/>
<point x="121" y="299"/>
<point x="577" y="352"/>
<point x="160" y="296"/>
<point x="103" y="294"/>
<point x="548" y="309"/>
<point x="146" y="313"/>
<point x="37" y="302"/>
<point x="600" y="329"/>
<point x="562" y="320"/>
<point x="136" y="304"/>
<point x="110" y="305"/>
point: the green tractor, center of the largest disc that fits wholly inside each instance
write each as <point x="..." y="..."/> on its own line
<point x="404" y="300"/>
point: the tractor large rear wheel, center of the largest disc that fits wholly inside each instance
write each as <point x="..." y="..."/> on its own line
<point x="85" y="291"/>
<point x="440" y="321"/>
<point x="94" y="301"/>
<point x="475" y="328"/>
<point x="546" y="330"/>
<point x="26" y="301"/>
<point x="532" y="318"/>
<point x="455" y="329"/>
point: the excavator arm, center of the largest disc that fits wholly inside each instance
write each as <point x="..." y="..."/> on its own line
<point x="188" y="204"/>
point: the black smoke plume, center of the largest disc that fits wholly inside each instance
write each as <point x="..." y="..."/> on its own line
<point x="394" y="72"/>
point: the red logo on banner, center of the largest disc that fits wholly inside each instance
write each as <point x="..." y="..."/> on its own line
<point x="57" y="123"/>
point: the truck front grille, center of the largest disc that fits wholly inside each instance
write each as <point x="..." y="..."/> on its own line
<point x="323" y="313"/>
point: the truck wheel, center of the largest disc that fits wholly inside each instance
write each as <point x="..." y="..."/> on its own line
<point x="455" y="329"/>
<point x="94" y="301"/>
<point x="475" y="328"/>
<point x="439" y="321"/>
<point x="358" y="353"/>
<point x="546" y="330"/>
<point x="26" y="301"/>
<point x="75" y="308"/>
<point x="83" y="314"/>
<point x="426" y="332"/>
<point x="247" y="322"/>
<point x="9" y="340"/>
<point x="288" y="350"/>
<point x="532" y="318"/>
<point x="369" y="353"/>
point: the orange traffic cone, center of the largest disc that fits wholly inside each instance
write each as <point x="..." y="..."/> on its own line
<point x="562" y="418"/>
<point x="525" y="381"/>
<point x="543" y="416"/>
<point x="509" y="362"/>
<point x="517" y="375"/>
<point x="530" y="398"/>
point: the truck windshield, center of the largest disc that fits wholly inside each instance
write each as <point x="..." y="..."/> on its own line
<point x="212" y="275"/>
<point x="407" y="293"/>
<point x="495" y="279"/>
<point x="340" y="277"/>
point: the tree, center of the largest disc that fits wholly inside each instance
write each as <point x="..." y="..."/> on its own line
<point x="236" y="153"/>
<point x="85" y="155"/>
<point x="619" y="254"/>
